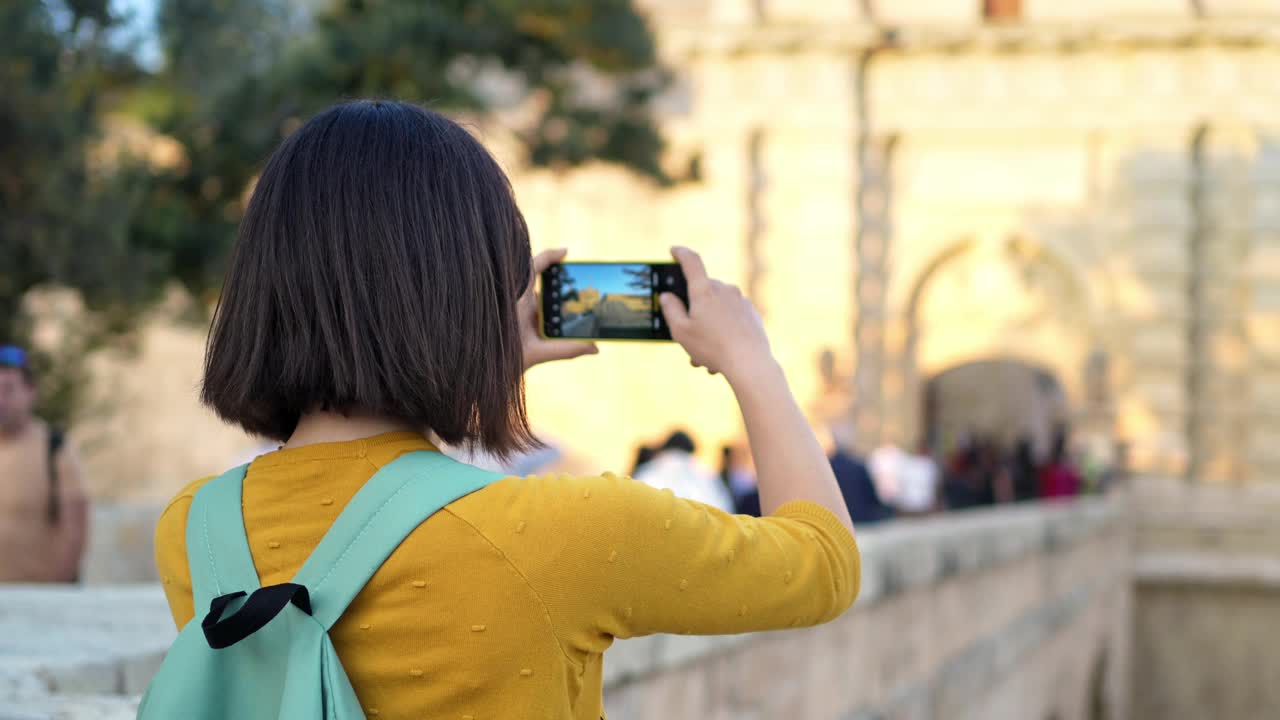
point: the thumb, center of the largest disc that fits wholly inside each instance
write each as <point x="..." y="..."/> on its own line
<point x="571" y="349"/>
<point x="673" y="309"/>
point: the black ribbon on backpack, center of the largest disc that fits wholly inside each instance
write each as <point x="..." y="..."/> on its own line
<point x="261" y="607"/>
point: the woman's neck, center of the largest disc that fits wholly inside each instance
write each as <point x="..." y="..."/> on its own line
<point x="326" y="427"/>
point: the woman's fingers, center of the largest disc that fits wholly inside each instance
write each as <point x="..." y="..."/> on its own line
<point x="538" y="349"/>
<point x="695" y="273"/>
<point x="566" y="350"/>
<point x="547" y="258"/>
<point x="541" y="262"/>
<point x="553" y="350"/>
<point x="673" y="310"/>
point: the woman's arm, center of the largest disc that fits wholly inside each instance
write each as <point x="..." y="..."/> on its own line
<point x="722" y="332"/>
<point x="73" y="516"/>
<point x="610" y="557"/>
<point x="790" y="461"/>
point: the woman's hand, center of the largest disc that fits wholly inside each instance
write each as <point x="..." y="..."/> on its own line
<point x="720" y="329"/>
<point x="538" y="349"/>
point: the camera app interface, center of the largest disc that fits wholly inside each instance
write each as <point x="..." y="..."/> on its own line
<point x="606" y="301"/>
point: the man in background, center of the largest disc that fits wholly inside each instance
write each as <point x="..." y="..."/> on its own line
<point x="738" y="475"/>
<point x="861" y="496"/>
<point x="918" y="481"/>
<point x="43" y="508"/>
<point x="886" y="464"/>
<point x="674" y="467"/>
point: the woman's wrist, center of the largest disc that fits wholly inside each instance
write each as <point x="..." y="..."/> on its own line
<point x="755" y="372"/>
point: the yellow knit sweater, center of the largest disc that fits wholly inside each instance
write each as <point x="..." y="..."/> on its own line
<point x="502" y="604"/>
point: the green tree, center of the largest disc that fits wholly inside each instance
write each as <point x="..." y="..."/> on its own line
<point x="237" y="76"/>
<point x="240" y="74"/>
<point x="63" y="222"/>
<point x="638" y="279"/>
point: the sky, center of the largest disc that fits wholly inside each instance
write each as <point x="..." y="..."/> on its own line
<point x="607" y="278"/>
<point x="140" y="29"/>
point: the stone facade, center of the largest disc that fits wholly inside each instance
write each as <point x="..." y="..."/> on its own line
<point x="1018" y="613"/>
<point x="1062" y="195"/>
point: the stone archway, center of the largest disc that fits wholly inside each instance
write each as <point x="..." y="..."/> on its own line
<point x="1001" y="401"/>
<point x="1009" y="299"/>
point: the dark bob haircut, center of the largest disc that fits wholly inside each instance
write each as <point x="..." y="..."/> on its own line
<point x="377" y="271"/>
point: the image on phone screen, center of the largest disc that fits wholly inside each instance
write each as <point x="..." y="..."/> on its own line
<point x="608" y="301"/>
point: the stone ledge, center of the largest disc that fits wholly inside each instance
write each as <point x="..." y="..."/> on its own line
<point x="918" y="553"/>
<point x="1203" y="568"/>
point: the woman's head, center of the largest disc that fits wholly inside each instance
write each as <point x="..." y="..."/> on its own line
<point x="377" y="271"/>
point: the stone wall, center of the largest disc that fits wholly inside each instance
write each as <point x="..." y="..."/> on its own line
<point x="121" y="546"/>
<point x="1207" y="600"/>
<point x="1013" y="613"/>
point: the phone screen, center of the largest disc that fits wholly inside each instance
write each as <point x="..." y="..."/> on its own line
<point x="608" y="301"/>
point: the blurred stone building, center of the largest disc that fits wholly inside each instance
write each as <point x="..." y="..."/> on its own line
<point x="1089" y="189"/>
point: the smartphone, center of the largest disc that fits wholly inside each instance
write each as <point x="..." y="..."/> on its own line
<point x="608" y="300"/>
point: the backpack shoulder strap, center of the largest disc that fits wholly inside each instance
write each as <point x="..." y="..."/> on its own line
<point x="217" y="546"/>
<point x="54" y="509"/>
<point x="395" y="501"/>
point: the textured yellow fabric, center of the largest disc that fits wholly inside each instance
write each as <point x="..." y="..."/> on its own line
<point x="502" y="604"/>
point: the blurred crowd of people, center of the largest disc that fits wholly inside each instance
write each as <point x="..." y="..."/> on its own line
<point x="890" y="481"/>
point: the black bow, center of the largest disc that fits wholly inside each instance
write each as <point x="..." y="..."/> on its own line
<point x="263" y="605"/>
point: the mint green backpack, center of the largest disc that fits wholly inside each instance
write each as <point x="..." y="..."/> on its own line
<point x="264" y="652"/>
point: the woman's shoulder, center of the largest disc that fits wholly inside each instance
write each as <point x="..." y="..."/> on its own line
<point x="175" y="511"/>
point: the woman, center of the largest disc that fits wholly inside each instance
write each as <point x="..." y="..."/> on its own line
<point x="381" y="292"/>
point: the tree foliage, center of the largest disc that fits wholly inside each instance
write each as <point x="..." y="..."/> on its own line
<point x="59" y="222"/>
<point x="242" y="73"/>
<point x="236" y="76"/>
<point x="62" y="222"/>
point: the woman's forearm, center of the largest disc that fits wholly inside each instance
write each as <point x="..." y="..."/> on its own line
<point x="722" y="332"/>
<point x="789" y="460"/>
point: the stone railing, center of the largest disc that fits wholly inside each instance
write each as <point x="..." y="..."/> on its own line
<point x="1011" y="613"/>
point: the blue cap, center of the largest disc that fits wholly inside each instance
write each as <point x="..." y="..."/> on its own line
<point x="12" y="356"/>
